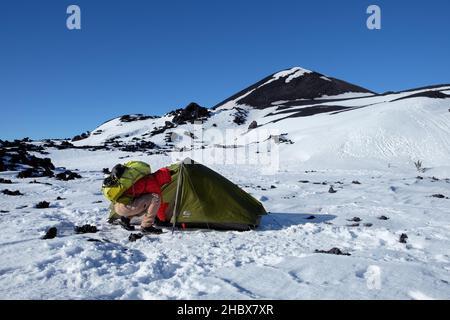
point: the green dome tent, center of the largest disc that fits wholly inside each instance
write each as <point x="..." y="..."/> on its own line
<point x="199" y="197"/>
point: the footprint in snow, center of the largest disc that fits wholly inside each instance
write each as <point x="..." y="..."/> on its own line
<point x="373" y="277"/>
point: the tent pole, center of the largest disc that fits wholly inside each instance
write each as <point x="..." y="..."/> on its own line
<point x="175" y="207"/>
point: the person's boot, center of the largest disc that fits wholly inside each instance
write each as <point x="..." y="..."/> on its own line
<point x="124" y="222"/>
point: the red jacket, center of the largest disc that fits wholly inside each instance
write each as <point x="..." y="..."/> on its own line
<point x="152" y="184"/>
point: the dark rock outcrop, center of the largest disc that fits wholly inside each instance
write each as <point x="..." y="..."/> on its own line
<point x="142" y="146"/>
<point x="159" y="130"/>
<point x="135" y="236"/>
<point x="253" y="125"/>
<point x="12" y="193"/>
<point x="43" y="205"/>
<point x="135" y="117"/>
<point x="82" y="136"/>
<point x="87" y="228"/>
<point x="64" y="145"/>
<point x="192" y="112"/>
<point x="67" y="175"/>
<point x="15" y="156"/>
<point x="439" y="196"/>
<point x="240" y="116"/>
<point x="50" y="234"/>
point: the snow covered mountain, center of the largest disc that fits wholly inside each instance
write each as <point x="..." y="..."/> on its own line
<point x="350" y="216"/>
<point x="293" y="85"/>
<point x="321" y="121"/>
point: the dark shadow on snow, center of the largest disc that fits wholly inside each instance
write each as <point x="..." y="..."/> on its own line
<point x="279" y="221"/>
<point x="18" y="242"/>
<point x="269" y="222"/>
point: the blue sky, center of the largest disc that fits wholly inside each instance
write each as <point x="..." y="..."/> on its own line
<point x="140" y="56"/>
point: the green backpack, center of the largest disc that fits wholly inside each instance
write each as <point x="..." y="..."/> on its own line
<point x="122" y="178"/>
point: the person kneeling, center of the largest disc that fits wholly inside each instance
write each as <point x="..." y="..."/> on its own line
<point x="135" y="192"/>
<point x="146" y="205"/>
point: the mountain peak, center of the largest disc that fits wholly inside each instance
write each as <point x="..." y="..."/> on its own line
<point x="292" y="85"/>
<point x="291" y="73"/>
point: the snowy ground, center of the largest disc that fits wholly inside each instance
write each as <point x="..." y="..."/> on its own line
<point x="277" y="261"/>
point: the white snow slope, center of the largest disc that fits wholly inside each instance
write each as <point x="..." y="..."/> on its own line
<point x="366" y="153"/>
<point x="276" y="261"/>
<point x="376" y="128"/>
